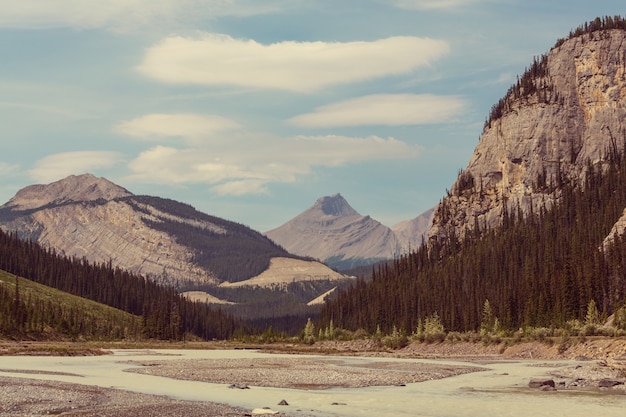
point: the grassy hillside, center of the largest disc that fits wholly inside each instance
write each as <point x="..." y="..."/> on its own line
<point x="40" y="312"/>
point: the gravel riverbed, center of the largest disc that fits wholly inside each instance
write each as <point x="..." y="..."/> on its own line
<point x="30" y="397"/>
<point x="299" y="372"/>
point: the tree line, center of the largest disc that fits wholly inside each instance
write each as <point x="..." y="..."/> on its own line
<point x="29" y="310"/>
<point x="538" y="270"/>
<point x="164" y="313"/>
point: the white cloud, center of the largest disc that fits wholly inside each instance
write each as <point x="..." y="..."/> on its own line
<point x="214" y="59"/>
<point x="432" y="4"/>
<point x="384" y="109"/>
<point x="186" y="125"/>
<point x="242" y="187"/>
<point x="125" y="14"/>
<point x="250" y="163"/>
<point x="7" y="169"/>
<point x="61" y="165"/>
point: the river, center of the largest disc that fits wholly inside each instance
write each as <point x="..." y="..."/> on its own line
<point x="500" y="390"/>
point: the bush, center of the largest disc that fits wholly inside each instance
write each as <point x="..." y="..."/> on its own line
<point x="396" y="340"/>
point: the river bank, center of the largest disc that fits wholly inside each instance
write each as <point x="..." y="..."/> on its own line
<point x="305" y="368"/>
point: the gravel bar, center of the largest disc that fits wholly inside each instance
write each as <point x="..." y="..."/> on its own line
<point x="28" y="397"/>
<point x="300" y="372"/>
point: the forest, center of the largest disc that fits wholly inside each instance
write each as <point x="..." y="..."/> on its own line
<point x="541" y="270"/>
<point x="164" y="313"/>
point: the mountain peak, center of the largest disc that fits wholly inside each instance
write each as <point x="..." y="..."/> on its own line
<point x="334" y="205"/>
<point x="331" y="230"/>
<point x="75" y="188"/>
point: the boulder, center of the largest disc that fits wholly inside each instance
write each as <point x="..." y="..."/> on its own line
<point x="609" y="383"/>
<point x="540" y="383"/>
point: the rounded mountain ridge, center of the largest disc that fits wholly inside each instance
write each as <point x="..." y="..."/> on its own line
<point x="75" y="188"/>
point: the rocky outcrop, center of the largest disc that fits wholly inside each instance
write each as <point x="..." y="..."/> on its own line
<point x="567" y="110"/>
<point x="333" y="232"/>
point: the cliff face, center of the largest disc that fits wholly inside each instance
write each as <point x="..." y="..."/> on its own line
<point x="569" y="109"/>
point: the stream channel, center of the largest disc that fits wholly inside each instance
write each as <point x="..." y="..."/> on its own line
<point x="500" y="390"/>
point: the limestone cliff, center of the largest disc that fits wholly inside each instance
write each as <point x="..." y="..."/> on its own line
<point x="567" y="110"/>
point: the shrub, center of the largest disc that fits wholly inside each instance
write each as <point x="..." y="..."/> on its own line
<point x="396" y="340"/>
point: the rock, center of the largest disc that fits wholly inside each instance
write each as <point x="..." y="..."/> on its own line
<point x="283" y="402"/>
<point x="238" y="386"/>
<point x="609" y="383"/>
<point x="540" y="383"/>
<point x="263" y="411"/>
<point x="574" y="112"/>
<point x="548" y="388"/>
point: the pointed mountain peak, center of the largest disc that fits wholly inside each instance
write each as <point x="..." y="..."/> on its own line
<point x="75" y="188"/>
<point x="334" y="205"/>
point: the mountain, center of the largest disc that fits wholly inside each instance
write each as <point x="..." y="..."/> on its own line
<point x="531" y="236"/>
<point x="567" y="112"/>
<point x="167" y="241"/>
<point x="411" y="233"/>
<point x="332" y="231"/>
<point x="72" y="189"/>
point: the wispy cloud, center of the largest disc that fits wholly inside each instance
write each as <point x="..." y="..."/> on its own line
<point x="384" y="109"/>
<point x="7" y="169"/>
<point x="161" y="126"/>
<point x="216" y="59"/>
<point x="60" y="165"/>
<point x="246" y="163"/>
<point x="433" y="4"/>
<point x="126" y="15"/>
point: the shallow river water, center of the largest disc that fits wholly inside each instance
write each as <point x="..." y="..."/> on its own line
<point x="501" y="390"/>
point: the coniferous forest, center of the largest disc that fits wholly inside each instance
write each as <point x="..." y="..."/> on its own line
<point x="542" y="270"/>
<point x="164" y="313"/>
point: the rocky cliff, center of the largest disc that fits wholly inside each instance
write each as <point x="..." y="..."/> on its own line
<point x="568" y="110"/>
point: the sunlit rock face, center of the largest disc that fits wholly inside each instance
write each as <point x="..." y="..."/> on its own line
<point x="568" y="111"/>
<point x="92" y="218"/>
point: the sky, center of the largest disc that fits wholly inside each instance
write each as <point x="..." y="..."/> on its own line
<point x="251" y="110"/>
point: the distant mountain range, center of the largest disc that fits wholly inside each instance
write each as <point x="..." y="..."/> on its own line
<point x="167" y="241"/>
<point x="252" y="275"/>
<point x="333" y="232"/>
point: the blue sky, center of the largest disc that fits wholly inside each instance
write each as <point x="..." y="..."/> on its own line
<point x="250" y="110"/>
